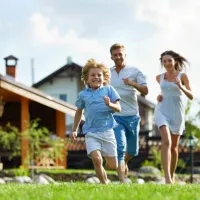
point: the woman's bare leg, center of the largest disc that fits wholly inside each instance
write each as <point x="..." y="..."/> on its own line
<point x="174" y="155"/>
<point x="166" y="152"/>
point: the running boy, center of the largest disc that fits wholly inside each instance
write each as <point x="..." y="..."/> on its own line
<point x="99" y="101"/>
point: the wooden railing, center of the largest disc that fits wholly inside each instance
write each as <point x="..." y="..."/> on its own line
<point x="145" y="143"/>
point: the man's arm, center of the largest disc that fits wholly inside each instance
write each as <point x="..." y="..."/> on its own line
<point x="143" y="89"/>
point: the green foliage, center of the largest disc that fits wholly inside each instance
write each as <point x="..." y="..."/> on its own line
<point x="181" y="164"/>
<point x="192" y="121"/>
<point x="10" y="140"/>
<point x="148" y="163"/>
<point x="39" y="140"/>
<point x="156" y="160"/>
<point x="19" y="171"/>
<point x="41" y="143"/>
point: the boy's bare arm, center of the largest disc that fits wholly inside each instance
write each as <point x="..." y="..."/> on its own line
<point x="77" y="120"/>
<point x="113" y="105"/>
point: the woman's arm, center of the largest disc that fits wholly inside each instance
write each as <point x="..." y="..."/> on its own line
<point x="184" y="85"/>
<point x="159" y="97"/>
<point x="158" y="78"/>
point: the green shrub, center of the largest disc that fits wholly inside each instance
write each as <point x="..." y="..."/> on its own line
<point x="39" y="139"/>
<point x="156" y="160"/>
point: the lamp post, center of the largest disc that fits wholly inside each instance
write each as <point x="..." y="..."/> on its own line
<point x="191" y="144"/>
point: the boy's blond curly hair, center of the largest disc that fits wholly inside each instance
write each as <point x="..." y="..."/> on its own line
<point x="92" y="63"/>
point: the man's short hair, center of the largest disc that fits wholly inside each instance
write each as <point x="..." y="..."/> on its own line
<point x="116" y="46"/>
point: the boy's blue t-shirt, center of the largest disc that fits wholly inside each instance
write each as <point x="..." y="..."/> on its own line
<point x="98" y="116"/>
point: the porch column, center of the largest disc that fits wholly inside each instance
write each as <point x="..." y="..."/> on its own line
<point x="61" y="132"/>
<point x="24" y="126"/>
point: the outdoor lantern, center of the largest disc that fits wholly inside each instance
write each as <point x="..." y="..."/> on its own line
<point x="191" y="141"/>
<point x="2" y="103"/>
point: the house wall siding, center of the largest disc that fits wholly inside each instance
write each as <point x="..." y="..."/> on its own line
<point x="62" y="85"/>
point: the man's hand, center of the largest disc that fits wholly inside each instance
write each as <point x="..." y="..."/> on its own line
<point x="73" y="135"/>
<point x="107" y="100"/>
<point x="126" y="81"/>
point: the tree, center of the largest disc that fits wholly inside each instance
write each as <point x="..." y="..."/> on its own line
<point x="192" y="125"/>
<point x="10" y="140"/>
<point x="39" y="139"/>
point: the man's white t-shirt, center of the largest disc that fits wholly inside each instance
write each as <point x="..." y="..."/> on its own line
<point x="127" y="93"/>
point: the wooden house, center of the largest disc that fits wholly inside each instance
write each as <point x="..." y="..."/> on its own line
<point x="19" y="104"/>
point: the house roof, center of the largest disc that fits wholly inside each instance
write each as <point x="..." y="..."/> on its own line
<point x="36" y="95"/>
<point x="57" y="72"/>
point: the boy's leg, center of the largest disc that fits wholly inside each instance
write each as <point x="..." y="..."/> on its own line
<point x="98" y="166"/>
<point x="111" y="163"/>
<point x="109" y="149"/>
<point x="93" y="146"/>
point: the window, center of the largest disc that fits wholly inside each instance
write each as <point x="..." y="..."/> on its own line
<point x="63" y="97"/>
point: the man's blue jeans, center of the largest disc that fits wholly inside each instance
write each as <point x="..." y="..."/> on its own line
<point x="127" y="135"/>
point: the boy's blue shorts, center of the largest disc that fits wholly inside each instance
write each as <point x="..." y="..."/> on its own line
<point x="127" y="135"/>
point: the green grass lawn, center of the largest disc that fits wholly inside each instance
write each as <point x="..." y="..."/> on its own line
<point x="71" y="171"/>
<point x="82" y="191"/>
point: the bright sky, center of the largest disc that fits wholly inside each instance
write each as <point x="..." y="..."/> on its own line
<point x="51" y="30"/>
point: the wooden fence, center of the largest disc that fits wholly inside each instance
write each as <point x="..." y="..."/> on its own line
<point x="77" y="156"/>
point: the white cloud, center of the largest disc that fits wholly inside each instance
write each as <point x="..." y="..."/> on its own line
<point x="177" y="27"/>
<point x="169" y="17"/>
<point x="41" y="33"/>
<point x="86" y="30"/>
<point x="45" y="34"/>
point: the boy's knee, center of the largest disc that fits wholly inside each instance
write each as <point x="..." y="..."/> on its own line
<point x="97" y="160"/>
